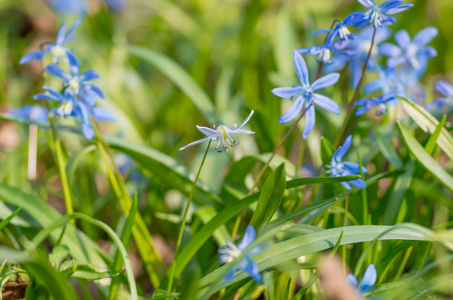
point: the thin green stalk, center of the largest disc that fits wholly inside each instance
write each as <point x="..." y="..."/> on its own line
<point x="403" y="263"/>
<point x="345" y="222"/>
<point x="343" y="132"/>
<point x="184" y="219"/>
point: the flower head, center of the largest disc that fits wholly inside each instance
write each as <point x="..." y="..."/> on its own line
<point x="368" y="103"/>
<point x="447" y="90"/>
<point x="69" y="7"/>
<point x="367" y="282"/>
<point x="230" y="251"/>
<point x="57" y="49"/>
<point x="33" y="113"/>
<point x="414" y="53"/>
<point x="222" y="134"/>
<point x="325" y="51"/>
<point x="306" y="95"/>
<point x="338" y="167"/>
<point x="340" y="30"/>
<point x="389" y="82"/>
<point x="377" y="14"/>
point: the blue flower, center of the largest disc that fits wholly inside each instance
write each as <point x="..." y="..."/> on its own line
<point x="338" y="167"/>
<point x="368" y="103"/>
<point x="340" y="30"/>
<point x="376" y="14"/>
<point x="230" y="252"/>
<point x="367" y="282"/>
<point x="117" y="5"/>
<point x="414" y="53"/>
<point x="447" y="90"/>
<point x="76" y="82"/>
<point x="33" y="113"/>
<point x="325" y="51"/>
<point x="307" y="95"/>
<point x="69" y="7"/>
<point x="56" y="49"/>
<point x="389" y="82"/>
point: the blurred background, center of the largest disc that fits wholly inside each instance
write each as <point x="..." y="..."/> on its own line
<point x="236" y="51"/>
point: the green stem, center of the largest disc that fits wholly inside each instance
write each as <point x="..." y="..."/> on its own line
<point x="343" y="132"/>
<point x="184" y="219"/>
<point x="345" y="220"/>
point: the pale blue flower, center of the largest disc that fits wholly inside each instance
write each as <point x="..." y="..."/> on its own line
<point x="33" y="113"/>
<point x="377" y="14"/>
<point x="340" y="30"/>
<point x="338" y="167"/>
<point x="57" y="49"/>
<point x="368" y="103"/>
<point x="447" y="90"/>
<point x="306" y="95"/>
<point x="389" y="83"/>
<point x="367" y="282"/>
<point x="230" y="251"/>
<point x="413" y="52"/>
<point x="69" y="7"/>
<point x="326" y="51"/>
<point x="222" y="134"/>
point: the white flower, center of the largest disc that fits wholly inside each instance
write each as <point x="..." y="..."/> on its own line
<point x="222" y="134"/>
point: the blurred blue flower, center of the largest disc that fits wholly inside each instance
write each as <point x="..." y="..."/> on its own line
<point x="222" y="134"/>
<point x="338" y="167"/>
<point x="33" y="113"/>
<point x="76" y="82"/>
<point x="69" y="7"/>
<point x="340" y="30"/>
<point x="388" y="82"/>
<point x="360" y="46"/>
<point x="447" y="90"/>
<point x="413" y="53"/>
<point x="367" y="282"/>
<point x="307" y="95"/>
<point x="56" y="49"/>
<point x="376" y="14"/>
<point x="117" y="5"/>
<point x="230" y="251"/>
<point x="325" y="51"/>
<point x="368" y="103"/>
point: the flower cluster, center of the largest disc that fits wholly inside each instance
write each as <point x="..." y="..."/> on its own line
<point x="78" y="96"/>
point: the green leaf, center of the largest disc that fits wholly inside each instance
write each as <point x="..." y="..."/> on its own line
<point x="270" y="197"/>
<point x="9" y="218"/>
<point x="315" y="180"/>
<point x="387" y="150"/>
<point x="164" y="167"/>
<point x="428" y="123"/>
<point x="180" y="77"/>
<point x="71" y="165"/>
<point x="327" y="150"/>
<point x="93" y="275"/>
<point x="424" y="158"/>
<point x="430" y="146"/>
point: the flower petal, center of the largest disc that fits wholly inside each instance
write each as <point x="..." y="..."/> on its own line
<point x="88" y="75"/>
<point x="208" y="131"/>
<point x="398" y="9"/>
<point x="287" y="92"/>
<point x="322" y="31"/>
<point x="352" y="280"/>
<point x="325" y="81"/>
<point x="346" y="185"/>
<point x="344" y="148"/>
<point x="292" y="112"/>
<point x="61" y="34"/>
<point x="250" y="267"/>
<point x="31" y="56"/>
<point x="247" y="119"/>
<point x="425" y="36"/>
<point x="388" y="49"/>
<point x="230" y="274"/>
<point x="402" y="38"/>
<point x="74" y="66"/>
<point x="390" y="4"/>
<point x="301" y="68"/>
<point x="56" y="71"/>
<point x="373" y="86"/>
<point x="326" y="103"/>
<point x="74" y="26"/>
<point x="368" y="279"/>
<point x="103" y="114"/>
<point x="367" y="3"/>
<point x="445" y="88"/>
<point x="248" y="238"/>
<point x="310" y="120"/>
<point x="358" y="183"/>
<point x="195" y="143"/>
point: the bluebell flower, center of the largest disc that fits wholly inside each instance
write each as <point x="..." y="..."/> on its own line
<point x="306" y="95"/>
<point x="447" y="90"/>
<point x="33" y="113"/>
<point x="367" y="282"/>
<point x="325" y="51"/>
<point x="377" y="14"/>
<point x="76" y="8"/>
<point x="230" y="251"/>
<point x="413" y="53"/>
<point x="368" y="103"/>
<point x="360" y="46"/>
<point x="410" y="80"/>
<point x="388" y="82"/>
<point x="117" y="5"/>
<point x="57" y="49"/>
<point x="338" y="167"/>
<point x="340" y="30"/>
<point x="76" y="82"/>
<point x="221" y="133"/>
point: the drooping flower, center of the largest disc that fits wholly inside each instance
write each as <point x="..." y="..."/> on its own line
<point x="340" y="30"/>
<point x="338" y="167"/>
<point x="367" y="282"/>
<point x="368" y="103"/>
<point x="413" y="53"/>
<point x="377" y="14"/>
<point x="33" y="113"/>
<point x="306" y="95"/>
<point x="76" y="82"/>
<point x="222" y="134"/>
<point x="230" y="251"/>
<point x="57" y="49"/>
<point x="447" y="90"/>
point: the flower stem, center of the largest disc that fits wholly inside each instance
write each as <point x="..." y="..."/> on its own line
<point x="343" y="132"/>
<point x="263" y="169"/>
<point x="184" y="219"/>
<point x="345" y="221"/>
